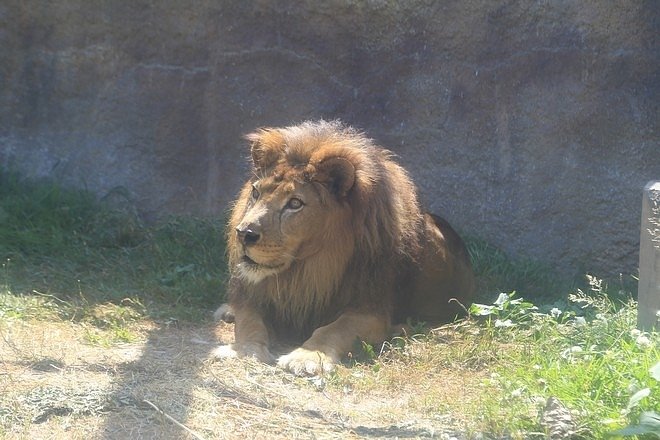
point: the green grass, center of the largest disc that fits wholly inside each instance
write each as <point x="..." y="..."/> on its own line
<point x="589" y="356"/>
<point x="67" y="256"/>
<point x="65" y="250"/>
<point x="498" y="272"/>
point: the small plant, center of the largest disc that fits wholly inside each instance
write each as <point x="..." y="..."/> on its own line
<point x="506" y="311"/>
<point x="648" y="422"/>
<point x="362" y="353"/>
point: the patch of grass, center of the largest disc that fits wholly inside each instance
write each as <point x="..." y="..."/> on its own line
<point x="589" y="357"/>
<point x="109" y="336"/>
<point x="519" y="367"/>
<point x="64" y="251"/>
<point x="110" y="323"/>
<point x="38" y="218"/>
<point x="497" y="272"/>
<point x="27" y="306"/>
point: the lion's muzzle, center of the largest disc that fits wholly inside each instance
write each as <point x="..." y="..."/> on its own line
<point x="247" y="236"/>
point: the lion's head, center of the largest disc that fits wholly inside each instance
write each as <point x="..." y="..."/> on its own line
<point x="298" y="206"/>
<point x="310" y="201"/>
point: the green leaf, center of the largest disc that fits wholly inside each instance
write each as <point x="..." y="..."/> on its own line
<point x="637" y="397"/>
<point x="650" y="418"/>
<point x="481" y="309"/>
<point x="501" y="299"/>
<point x="649" y="423"/>
<point x="655" y="372"/>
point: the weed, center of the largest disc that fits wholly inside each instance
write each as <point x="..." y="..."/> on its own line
<point x="507" y="311"/>
<point x="648" y="422"/>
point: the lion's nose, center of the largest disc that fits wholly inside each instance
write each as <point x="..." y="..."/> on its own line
<point x="247" y="236"/>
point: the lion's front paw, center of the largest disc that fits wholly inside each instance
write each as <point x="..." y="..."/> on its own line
<point x="224" y="352"/>
<point x="254" y="350"/>
<point x="303" y="362"/>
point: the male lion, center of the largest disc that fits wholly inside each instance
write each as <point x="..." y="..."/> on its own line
<point x="327" y="245"/>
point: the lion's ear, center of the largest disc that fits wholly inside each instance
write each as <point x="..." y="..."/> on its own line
<point x="337" y="173"/>
<point x="266" y="147"/>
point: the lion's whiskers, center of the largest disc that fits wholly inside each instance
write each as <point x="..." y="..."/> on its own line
<point x="291" y="256"/>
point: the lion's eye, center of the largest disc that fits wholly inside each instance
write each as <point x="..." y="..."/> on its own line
<point x="294" y="204"/>
<point x="255" y="193"/>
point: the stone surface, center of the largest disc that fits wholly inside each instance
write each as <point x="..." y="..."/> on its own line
<point x="530" y="124"/>
<point x="649" y="259"/>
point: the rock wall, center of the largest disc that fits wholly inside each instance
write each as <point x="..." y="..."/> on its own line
<point x="531" y="124"/>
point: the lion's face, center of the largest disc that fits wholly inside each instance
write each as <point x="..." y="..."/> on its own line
<point x="298" y="210"/>
<point x="284" y="221"/>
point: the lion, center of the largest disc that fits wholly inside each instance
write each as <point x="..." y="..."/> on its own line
<point x="327" y="245"/>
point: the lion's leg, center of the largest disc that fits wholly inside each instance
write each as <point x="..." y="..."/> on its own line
<point x="251" y="337"/>
<point x="325" y="348"/>
<point x="445" y="285"/>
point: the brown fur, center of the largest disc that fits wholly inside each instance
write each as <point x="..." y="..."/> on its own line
<point x="357" y="257"/>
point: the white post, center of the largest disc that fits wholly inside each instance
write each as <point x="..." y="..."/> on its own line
<point x="648" y="294"/>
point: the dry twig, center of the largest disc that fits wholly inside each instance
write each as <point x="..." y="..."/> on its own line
<point x="173" y="420"/>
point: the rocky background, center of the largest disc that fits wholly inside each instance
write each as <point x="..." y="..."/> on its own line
<point x="531" y="124"/>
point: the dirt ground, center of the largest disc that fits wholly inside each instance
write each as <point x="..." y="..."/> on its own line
<point x="54" y="385"/>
